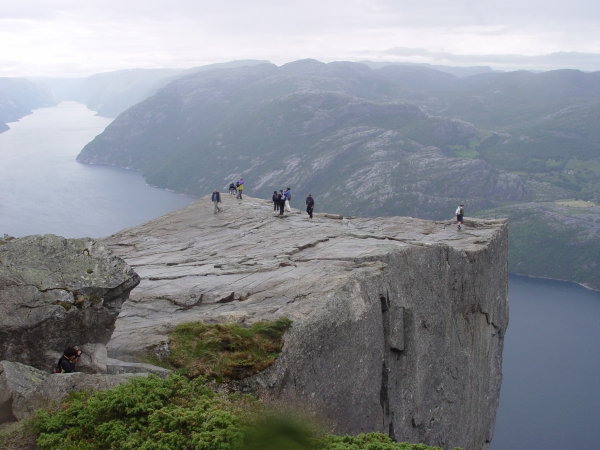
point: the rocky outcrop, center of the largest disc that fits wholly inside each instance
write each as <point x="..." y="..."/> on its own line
<point x="25" y="389"/>
<point x="398" y="322"/>
<point x="55" y="293"/>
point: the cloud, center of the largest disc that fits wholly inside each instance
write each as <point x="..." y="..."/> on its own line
<point x="74" y="38"/>
<point x="556" y="60"/>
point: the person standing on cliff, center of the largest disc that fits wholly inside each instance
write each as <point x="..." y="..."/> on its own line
<point x="281" y="201"/>
<point x="216" y="199"/>
<point x="275" y="202"/>
<point x="240" y="188"/>
<point x="310" y="205"/>
<point x="232" y="189"/>
<point x="460" y="212"/>
<point x="288" y="197"/>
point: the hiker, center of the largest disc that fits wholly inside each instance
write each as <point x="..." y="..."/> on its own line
<point x="275" y="202"/>
<point x="460" y="212"/>
<point x="216" y="199"/>
<point x="66" y="363"/>
<point x="232" y="188"/>
<point x="288" y="197"/>
<point x="310" y="205"/>
<point x="281" y="201"/>
<point x="240" y="188"/>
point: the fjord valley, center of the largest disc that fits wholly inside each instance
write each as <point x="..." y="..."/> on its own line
<point x="397" y="140"/>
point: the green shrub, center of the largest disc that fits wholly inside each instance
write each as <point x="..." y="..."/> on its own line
<point x="178" y="413"/>
<point x="147" y="413"/>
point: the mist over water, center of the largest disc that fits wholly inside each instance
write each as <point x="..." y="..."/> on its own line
<point x="44" y="190"/>
<point x="550" y="395"/>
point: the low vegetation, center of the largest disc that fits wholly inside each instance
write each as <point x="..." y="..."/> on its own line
<point x="17" y="436"/>
<point x="224" y="351"/>
<point x="178" y="413"/>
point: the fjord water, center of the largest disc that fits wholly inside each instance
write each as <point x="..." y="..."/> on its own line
<point x="44" y="190"/>
<point x="550" y="395"/>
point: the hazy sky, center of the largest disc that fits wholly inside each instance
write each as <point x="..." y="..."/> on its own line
<point x="74" y="38"/>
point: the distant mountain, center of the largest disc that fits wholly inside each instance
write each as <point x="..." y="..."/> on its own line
<point x="111" y="93"/>
<point x="398" y="140"/>
<point x="18" y="96"/>
<point x="331" y="128"/>
<point x="453" y="70"/>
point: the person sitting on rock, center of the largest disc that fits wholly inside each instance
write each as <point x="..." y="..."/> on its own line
<point x="66" y="363"/>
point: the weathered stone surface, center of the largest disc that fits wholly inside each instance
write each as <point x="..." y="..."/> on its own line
<point x="398" y="322"/>
<point x="93" y="359"/>
<point x="25" y="389"/>
<point x="55" y="293"/>
<point x="116" y="367"/>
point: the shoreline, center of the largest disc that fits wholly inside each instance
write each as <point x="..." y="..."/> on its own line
<point x="556" y="279"/>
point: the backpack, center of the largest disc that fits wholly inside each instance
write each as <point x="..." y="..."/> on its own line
<point x="457" y="211"/>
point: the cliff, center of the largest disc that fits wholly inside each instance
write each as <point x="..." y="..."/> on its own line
<point x="398" y="322"/>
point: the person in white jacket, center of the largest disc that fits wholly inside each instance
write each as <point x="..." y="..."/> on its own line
<point x="460" y="212"/>
<point x="288" y="197"/>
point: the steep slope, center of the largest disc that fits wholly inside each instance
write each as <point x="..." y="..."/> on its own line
<point x="398" y="323"/>
<point x="19" y="96"/>
<point x="314" y="126"/>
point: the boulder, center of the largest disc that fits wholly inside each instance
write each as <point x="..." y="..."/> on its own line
<point x="93" y="359"/>
<point x="25" y="389"/>
<point x="56" y="293"/>
<point x="116" y="367"/>
<point x="398" y="323"/>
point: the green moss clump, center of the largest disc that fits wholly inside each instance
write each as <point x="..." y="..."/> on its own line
<point x="225" y="351"/>
<point x="179" y="413"/>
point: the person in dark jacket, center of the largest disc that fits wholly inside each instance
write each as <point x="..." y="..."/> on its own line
<point x="216" y="199"/>
<point x="275" y="202"/>
<point x="66" y="363"/>
<point x="281" y="197"/>
<point x="232" y="189"/>
<point x="310" y="205"/>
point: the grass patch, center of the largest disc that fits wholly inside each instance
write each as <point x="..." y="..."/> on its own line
<point x="576" y="203"/>
<point x="178" y="413"/>
<point x="225" y="351"/>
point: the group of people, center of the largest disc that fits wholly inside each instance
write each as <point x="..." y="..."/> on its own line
<point x="281" y="202"/>
<point x="236" y="188"/>
<point x="281" y="199"/>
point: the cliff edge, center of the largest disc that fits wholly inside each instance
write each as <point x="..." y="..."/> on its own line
<point x="398" y="322"/>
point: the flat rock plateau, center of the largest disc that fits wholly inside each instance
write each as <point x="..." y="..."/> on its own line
<point x="398" y="323"/>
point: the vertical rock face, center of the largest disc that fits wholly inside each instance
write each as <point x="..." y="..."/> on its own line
<point x="398" y="322"/>
<point x="55" y="293"/>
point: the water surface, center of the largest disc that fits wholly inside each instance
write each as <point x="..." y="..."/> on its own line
<point x="550" y="397"/>
<point x="44" y="190"/>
